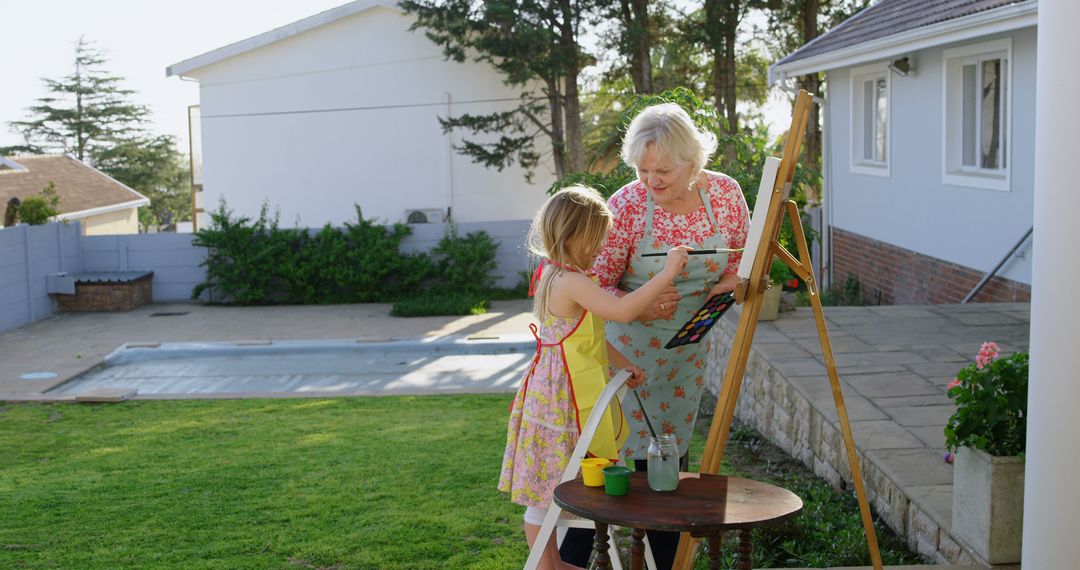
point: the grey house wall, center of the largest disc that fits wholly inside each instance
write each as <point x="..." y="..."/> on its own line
<point x="29" y="253"/>
<point x="914" y="208"/>
<point x="172" y="258"/>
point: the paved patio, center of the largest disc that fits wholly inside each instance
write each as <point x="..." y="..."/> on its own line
<point x="894" y="363"/>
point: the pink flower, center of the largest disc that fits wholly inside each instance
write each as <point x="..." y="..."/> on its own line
<point x="987" y="353"/>
<point x="955" y="382"/>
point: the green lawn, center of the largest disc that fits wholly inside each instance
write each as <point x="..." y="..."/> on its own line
<point x="345" y="483"/>
<point x="342" y="483"/>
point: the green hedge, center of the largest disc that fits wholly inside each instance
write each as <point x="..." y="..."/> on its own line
<point x="255" y="262"/>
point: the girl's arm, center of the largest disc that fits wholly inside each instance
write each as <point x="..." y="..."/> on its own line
<point x="618" y="360"/>
<point x="580" y="290"/>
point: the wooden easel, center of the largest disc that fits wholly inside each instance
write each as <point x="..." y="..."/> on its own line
<point x="749" y="293"/>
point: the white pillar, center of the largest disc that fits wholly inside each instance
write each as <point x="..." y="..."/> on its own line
<point x="1051" y="492"/>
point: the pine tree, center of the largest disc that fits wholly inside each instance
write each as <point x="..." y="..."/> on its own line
<point x="85" y="112"/>
<point x="89" y="116"/>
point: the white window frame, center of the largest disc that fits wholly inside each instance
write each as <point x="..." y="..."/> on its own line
<point x="954" y="172"/>
<point x="859" y="76"/>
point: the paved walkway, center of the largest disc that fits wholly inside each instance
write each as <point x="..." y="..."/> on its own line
<point x="894" y="363"/>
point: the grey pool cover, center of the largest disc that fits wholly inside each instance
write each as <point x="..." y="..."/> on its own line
<point x="331" y="367"/>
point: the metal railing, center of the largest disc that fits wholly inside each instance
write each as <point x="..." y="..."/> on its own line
<point x="986" y="278"/>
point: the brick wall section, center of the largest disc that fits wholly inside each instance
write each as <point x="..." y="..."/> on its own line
<point x="107" y="296"/>
<point x="891" y="275"/>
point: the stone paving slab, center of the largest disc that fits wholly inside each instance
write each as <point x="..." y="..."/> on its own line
<point x="917" y="416"/>
<point x="883" y="434"/>
<point x="913" y="467"/>
<point x="890" y="385"/>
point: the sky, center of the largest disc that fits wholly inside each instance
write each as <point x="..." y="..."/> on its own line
<point x="140" y="39"/>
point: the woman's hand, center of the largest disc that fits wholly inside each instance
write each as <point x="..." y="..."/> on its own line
<point x="725" y="285"/>
<point x="637" y="377"/>
<point x="664" y="306"/>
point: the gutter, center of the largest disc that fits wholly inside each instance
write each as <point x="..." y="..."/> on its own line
<point x="144" y="201"/>
<point x="1004" y="19"/>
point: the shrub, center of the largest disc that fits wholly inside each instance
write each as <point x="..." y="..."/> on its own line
<point x="464" y="264"/>
<point x="37" y="210"/>
<point x="433" y="303"/>
<point x="254" y="262"/>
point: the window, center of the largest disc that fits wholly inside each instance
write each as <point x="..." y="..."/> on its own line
<point x="977" y="115"/>
<point x="870" y="121"/>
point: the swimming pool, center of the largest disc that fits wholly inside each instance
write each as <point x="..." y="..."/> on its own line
<point x="337" y="367"/>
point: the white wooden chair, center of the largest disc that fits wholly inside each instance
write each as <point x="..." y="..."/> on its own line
<point x="616" y="387"/>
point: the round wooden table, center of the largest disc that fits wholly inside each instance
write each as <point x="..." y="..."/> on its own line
<point x="704" y="506"/>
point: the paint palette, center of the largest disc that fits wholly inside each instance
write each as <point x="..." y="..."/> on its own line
<point x="694" y="330"/>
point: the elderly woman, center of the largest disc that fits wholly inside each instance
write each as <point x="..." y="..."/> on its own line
<point x="674" y="201"/>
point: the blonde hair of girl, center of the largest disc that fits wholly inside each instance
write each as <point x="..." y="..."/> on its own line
<point x="568" y="230"/>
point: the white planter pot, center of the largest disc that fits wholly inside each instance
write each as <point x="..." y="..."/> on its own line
<point x="988" y="504"/>
<point x="770" y="303"/>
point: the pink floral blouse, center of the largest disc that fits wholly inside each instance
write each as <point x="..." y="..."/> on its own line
<point x="629" y="205"/>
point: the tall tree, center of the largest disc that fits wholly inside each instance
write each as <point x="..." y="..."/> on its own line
<point x="153" y="167"/>
<point x="535" y="46"/>
<point x="635" y="40"/>
<point x="88" y="115"/>
<point x="84" y="113"/>
<point x="722" y="19"/>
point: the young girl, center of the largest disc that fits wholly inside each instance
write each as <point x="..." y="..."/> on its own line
<point x="572" y="355"/>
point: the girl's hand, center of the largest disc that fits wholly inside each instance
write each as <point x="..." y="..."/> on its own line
<point x="637" y="377"/>
<point x="676" y="259"/>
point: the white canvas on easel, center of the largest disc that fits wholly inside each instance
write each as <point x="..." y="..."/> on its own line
<point x="761" y="209"/>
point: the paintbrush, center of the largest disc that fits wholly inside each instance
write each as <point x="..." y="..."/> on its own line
<point x="648" y="424"/>
<point x="694" y="252"/>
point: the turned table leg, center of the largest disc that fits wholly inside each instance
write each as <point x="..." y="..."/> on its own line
<point x="601" y="546"/>
<point x="714" y="551"/>
<point x="742" y="561"/>
<point x="637" y="549"/>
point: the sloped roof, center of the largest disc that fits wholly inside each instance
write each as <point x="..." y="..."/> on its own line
<point x="906" y="20"/>
<point x="276" y="35"/>
<point x="79" y="186"/>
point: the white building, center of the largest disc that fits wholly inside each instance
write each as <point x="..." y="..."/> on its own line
<point x="342" y="108"/>
<point x="928" y="146"/>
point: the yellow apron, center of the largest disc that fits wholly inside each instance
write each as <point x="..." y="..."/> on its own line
<point x="584" y="356"/>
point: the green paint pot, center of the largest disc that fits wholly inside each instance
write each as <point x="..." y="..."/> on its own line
<point x="616" y="480"/>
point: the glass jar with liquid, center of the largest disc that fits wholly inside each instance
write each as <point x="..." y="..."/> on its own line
<point x="663" y="463"/>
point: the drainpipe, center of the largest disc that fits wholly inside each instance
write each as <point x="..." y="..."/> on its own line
<point x="449" y="160"/>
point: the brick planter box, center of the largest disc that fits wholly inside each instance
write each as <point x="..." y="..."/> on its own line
<point x="110" y="291"/>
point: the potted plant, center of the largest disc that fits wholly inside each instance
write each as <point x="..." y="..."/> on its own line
<point x="770" y="303"/>
<point x="988" y="433"/>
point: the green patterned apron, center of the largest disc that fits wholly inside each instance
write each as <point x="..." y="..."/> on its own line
<point x="674" y="378"/>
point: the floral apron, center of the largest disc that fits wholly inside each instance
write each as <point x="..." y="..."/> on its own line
<point x="674" y="377"/>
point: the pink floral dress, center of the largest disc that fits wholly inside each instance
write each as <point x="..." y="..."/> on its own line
<point x="674" y="379"/>
<point x="555" y="398"/>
